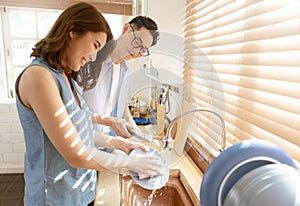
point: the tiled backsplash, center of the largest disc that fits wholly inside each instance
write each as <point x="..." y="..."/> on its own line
<point x="12" y="146"/>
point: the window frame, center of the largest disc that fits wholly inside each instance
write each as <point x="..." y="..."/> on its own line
<point x="11" y="69"/>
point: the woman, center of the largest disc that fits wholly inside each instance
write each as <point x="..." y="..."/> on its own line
<point x="61" y="158"/>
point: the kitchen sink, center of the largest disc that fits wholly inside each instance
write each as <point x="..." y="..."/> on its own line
<point x="172" y="194"/>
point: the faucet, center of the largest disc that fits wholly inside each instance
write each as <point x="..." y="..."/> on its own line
<point x="168" y="142"/>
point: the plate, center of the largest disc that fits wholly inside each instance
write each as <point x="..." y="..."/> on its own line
<point x="233" y="163"/>
<point x="150" y="183"/>
<point x="273" y="184"/>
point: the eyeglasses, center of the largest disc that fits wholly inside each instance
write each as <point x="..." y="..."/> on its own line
<point x="137" y="42"/>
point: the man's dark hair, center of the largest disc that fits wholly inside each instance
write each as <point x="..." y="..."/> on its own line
<point x="143" y="21"/>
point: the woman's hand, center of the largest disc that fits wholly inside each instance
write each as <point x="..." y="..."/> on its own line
<point x="144" y="165"/>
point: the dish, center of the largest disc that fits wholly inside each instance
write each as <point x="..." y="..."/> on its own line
<point x="150" y="183"/>
<point x="233" y="163"/>
<point x="273" y="184"/>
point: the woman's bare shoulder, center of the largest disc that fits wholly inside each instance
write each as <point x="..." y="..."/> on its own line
<point x="34" y="82"/>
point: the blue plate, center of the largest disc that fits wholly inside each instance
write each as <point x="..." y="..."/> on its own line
<point x="233" y="163"/>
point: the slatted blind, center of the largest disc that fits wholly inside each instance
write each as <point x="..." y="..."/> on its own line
<point x="122" y="7"/>
<point x="243" y="59"/>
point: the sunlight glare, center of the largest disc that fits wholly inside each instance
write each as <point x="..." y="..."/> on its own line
<point x="64" y="122"/>
<point x="60" y="175"/>
<point x="101" y="192"/>
<point x="91" y="154"/>
<point x="81" y="151"/>
<point x="79" y="181"/>
<point x="70" y="132"/>
<point x="100" y="202"/>
<point x="75" y="142"/>
<point x="85" y="186"/>
<point x="60" y="111"/>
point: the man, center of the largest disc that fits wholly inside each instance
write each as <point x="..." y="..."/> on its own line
<point x="105" y="91"/>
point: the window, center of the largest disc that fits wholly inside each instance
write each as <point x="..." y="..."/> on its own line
<point x="242" y="59"/>
<point x="21" y="29"/>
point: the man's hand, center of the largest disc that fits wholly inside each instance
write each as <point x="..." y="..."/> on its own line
<point x="120" y="127"/>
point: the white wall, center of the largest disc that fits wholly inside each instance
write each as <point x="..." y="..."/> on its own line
<point x="169" y="14"/>
<point x="168" y="53"/>
<point x="12" y="146"/>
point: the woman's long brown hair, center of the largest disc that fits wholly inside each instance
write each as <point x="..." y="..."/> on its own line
<point x="80" y="18"/>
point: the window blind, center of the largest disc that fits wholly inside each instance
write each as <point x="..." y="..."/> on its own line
<point x="122" y="7"/>
<point x="242" y="58"/>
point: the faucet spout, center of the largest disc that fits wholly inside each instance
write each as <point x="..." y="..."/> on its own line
<point x="168" y="142"/>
